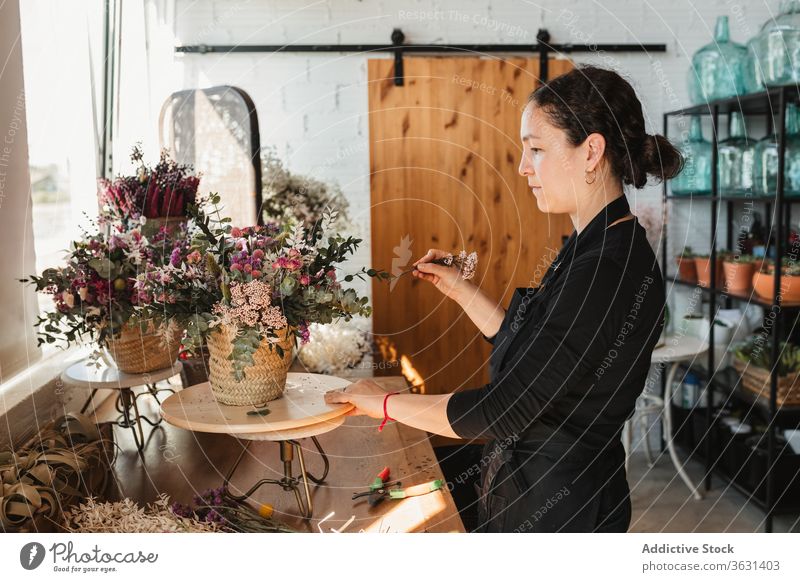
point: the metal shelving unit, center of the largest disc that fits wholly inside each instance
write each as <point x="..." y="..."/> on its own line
<point x="769" y="103"/>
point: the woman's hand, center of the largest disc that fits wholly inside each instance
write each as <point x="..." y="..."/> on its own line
<point x="446" y="279"/>
<point x="365" y="395"/>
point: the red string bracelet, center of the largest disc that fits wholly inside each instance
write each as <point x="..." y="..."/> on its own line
<point x="385" y="413"/>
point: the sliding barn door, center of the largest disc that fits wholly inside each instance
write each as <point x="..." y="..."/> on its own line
<point x="444" y="153"/>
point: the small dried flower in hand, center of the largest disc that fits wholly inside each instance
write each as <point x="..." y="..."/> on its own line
<point x="465" y="263"/>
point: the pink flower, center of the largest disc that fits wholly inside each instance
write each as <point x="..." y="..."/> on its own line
<point x="305" y="279"/>
<point x="236" y="231"/>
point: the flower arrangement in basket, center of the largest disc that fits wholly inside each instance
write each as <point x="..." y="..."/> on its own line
<point x="752" y="359"/>
<point x="262" y="287"/>
<point x="96" y="297"/>
<point x="161" y="194"/>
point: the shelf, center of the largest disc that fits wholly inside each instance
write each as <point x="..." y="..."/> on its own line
<point x="707" y="198"/>
<point x="727" y="382"/>
<point x="770" y="102"/>
<point x="784" y="506"/>
<point x="751" y="298"/>
<point x="760" y="103"/>
<point x="695" y="448"/>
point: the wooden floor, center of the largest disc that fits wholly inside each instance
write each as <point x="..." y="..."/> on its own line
<point x="182" y="464"/>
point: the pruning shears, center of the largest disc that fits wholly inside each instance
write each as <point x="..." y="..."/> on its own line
<point x="379" y="489"/>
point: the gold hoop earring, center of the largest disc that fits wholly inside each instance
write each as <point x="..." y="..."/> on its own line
<point x="594" y="176"/>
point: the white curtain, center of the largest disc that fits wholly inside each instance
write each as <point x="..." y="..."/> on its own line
<point x="18" y="311"/>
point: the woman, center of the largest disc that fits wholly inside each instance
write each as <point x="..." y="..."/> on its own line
<point x="570" y="357"/>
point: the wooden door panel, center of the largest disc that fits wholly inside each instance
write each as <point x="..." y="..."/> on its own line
<point x="444" y="152"/>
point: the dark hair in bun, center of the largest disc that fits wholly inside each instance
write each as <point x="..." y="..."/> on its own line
<point x="593" y="100"/>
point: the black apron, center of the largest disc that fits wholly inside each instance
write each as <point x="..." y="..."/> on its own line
<point x="548" y="486"/>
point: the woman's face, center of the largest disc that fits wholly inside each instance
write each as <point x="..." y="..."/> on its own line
<point x="555" y="169"/>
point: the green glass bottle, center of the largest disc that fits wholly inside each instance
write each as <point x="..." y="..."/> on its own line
<point x="766" y="159"/>
<point x="775" y="50"/>
<point x="695" y="178"/>
<point x="736" y="157"/>
<point x="718" y="69"/>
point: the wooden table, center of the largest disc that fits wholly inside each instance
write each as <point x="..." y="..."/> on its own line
<point x="357" y="452"/>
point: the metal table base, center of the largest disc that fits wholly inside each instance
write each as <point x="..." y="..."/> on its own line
<point x="287" y="482"/>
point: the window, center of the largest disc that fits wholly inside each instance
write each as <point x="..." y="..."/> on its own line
<point x="62" y="52"/>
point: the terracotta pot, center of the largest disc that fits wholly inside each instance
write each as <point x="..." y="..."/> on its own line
<point x="704" y="271"/>
<point x="687" y="270"/>
<point x="764" y="285"/>
<point x="738" y="276"/>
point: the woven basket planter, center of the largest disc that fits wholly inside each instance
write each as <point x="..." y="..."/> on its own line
<point x="262" y="382"/>
<point x="757" y="380"/>
<point x="136" y="352"/>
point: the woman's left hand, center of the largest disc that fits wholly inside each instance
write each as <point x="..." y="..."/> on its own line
<point x="366" y="395"/>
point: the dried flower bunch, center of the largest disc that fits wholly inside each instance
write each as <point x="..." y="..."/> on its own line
<point x="334" y="348"/>
<point x="465" y="263"/>
<point x="214" y="507"/>
<point x="259" y="280"/>
<point x="127" y="516"/>
<point x="165" y="190"/>
<point x="296" y="197"/>
<point x="96" y="292"/>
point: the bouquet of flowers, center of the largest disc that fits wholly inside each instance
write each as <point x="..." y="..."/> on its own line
<point x="296" y="197"/>
<point x="162" y="192"/>
<point x="257" y="289"/>
<point x="96" y="297"/>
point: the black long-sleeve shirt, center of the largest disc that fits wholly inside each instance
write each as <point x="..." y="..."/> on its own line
<point x="573" y="354"/>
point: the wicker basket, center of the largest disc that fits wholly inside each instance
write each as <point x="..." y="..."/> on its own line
<point x="136" y="352"/>
<point x="262" y="382"/>
<point x="757" y="380"/>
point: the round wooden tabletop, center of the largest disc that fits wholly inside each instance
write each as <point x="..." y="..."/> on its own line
<point x="302" y="405"/>
<point x="86" y="374"/>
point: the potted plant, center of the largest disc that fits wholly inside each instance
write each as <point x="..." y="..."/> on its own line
<point x="262" y="286"/>
<point x="687" y="271"/>
<point x="753" y="360"/>
<point x="702" y="263"/>
<point x="738" y="270"/>
<point x="96" y="299"/>
<point x="764" y="281"/>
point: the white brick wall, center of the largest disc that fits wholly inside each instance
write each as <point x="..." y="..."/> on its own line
<point x="313" y="106"/>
